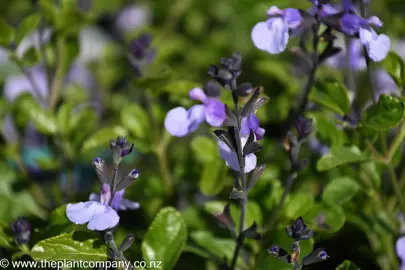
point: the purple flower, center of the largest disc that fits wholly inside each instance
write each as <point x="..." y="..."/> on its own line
<point x="272" y="35"/>
<point x="400" y="247"/>
<point x="357" y="60"/>
<point x="231" y="158"/>
<point x="98" y="215"/>
<point x="180" y="122"/>
<point x="118" y="203"/>
<point x="377" y="46"/>
<point x="22" y="230"/>
<point x="251" y="122"/>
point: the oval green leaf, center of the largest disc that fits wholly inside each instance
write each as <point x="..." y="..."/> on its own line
<point x="217" y="246"/>
<point x="135" y="119"/>
<point x="165" y="239"/>
<point x="102" y="138"/>
<point x="340" y="190"/>
<point x="387" y="113"/>
<point x="73" y="246"/>
<point x="395" y="67"/>
<point x="321" y="217"/>
<point x="332" y="95"/>
<point x="340" y="155"/>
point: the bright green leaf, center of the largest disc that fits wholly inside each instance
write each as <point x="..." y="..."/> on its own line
<point x="340" y="190"/>
<point x="102" y="138"/>
<point x="180" y="87"/>
<point x="395" y="67"/>
<point x="165" y="239"/>
<point x="213" y="178"/>
<point x="27" y="26"/>
<point x="340" y="155"/>
<point x="135" y="119"/>
<point x="347" y="265"/>
<point x="332" y="95"/>
<point x="74" y="246"/>
<point x="6" y="240"/>
<point x="298" y="204"/>
<point x="387" y="113"/>
<point x="49" y="10"/>
<point x="217" y="246"/>
<point x="205" y="149"/>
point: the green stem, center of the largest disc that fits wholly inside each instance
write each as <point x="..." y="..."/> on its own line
<point x="118" y="255"/>
<point x="164" y="168"/>
<point x="396" y="143"/>
<point x="396" y="188"/>
<point x="59" y="75"/>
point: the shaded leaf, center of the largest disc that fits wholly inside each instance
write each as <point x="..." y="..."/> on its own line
<point x="219" y="247"/>
<point x="395" y="67"/>
<point x="213" y="178"/>
<point x="136" y="120"/>
<point x="165" y="238"/>
<point x="6" y="240"/>
<point x="205" y="149"/>
<point x="324" y="218"/>
<point x="332" y="95"/>
<point x="347" y="265"/>
<point x="340" y="190"/>
<point x="387" y="113"/>
<point x="101" y="138"/>
<point x="31" y="57"/>
<point x="27" y="26"/>
<point x="6" y="34"/>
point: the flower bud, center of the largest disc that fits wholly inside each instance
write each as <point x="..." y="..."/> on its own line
<point x="21" y="229"/>
<point x="304" y="127"/>
<point x="212" y="88"/>
<point x="127" y="242"/>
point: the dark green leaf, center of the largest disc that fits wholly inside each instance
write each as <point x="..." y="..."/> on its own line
<point x="340" y="190"/>
<point x="324" y="218"/>
<point x="84" y="246"/>
<point x="332" y="95"/>
<point x="49" y="10"/>
<point x="217" y="246"/>
<point x="340" y="155"/>
<point x="6" y="34"/>
<point x="31" y="57"/>
<point x="27" y="26"/>
<point x="347" y="265"/>
<point x="387" y="113"/>
<point x="154" y="77"/>
<point x="395" y="67"/>
<point x="6" y="240"/>
<point x="165" y="239"/>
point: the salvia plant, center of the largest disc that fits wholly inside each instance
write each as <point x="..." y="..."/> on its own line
<point x="267" y="134"/>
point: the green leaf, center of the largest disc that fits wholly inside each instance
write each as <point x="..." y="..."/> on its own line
<point x="347" y="265"/>
<point x="340" y="155"/>
<point x="6" y="34"/>
<point x="332" y="95"/>
<point x="334" y="218"/>
<point x="49" y="10"/>
<point x="27" y="26"/>
<point x="70" y="49"/>
<point x="298" y="204"/>
<point x="75" y="246"/>
<point x="395" y="67"/>
<point x="213" y="177"/>
<point x="387" y="113"/>
<point x="217" y="246"/>
<point x="6" y="240"/>
<point x="205" y="149"/>
<point x="31" y="57"/>
<point x="43" y="120"/>
<point x="136" y="120"/>
<point x="102" y="138"/>
<point x="165" y="239"/>
<point x="180" y="87"/>
<point x="155" y="76"/>
<point x="340" y="190"/>
<point x="64" y="118"/>
<point x="58" y="216"/>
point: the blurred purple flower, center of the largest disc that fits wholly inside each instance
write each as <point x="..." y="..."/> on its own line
<point x="132" y="18"/>
<point x="272" y="35"/>
<point x="377" y="46"/>
<point x="231" y="158"/>
<point x="22" y="230"/>
<point x="180" y="122"/>
<point x="384" y="83"/>
<point x="318" y="147"/>
<point x="400" y="248"/>
<point x="98" y="215"/>
<point x="118" y="202"/>
<point x="251" y="122"/>
<point x="357" y="60"/>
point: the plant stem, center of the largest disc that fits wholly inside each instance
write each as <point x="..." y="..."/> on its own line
<point x="396" y="143"/>
<point x="60" y="72"/>
<point x="109" y="241"/>
<point x="290" y="181"/>
<point x="241" y="158"/>
<point x="164" y="168"/>
<point x="396" y="188"/>
<point x="115" y="173"/>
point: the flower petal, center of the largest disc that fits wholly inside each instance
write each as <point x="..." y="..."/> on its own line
<point x="271" y="36"/>
<point x="400" y="248"/>
<point x="229" y="156"/>
<point x="250" y="162"/>
<point x="215" y="113"/>
<point x="197" y="94"/>
<point x="116" y="202"/>
<point x="81" y="213"/>
<point x="129" y="205"/>
<point x="377" y="46"/>
<point x="176" y="122"/>
<point x="104" y="218"/>
<point x="196" y="116"/>
<point x="274" y="11"/>
<point x="292" y="17"/>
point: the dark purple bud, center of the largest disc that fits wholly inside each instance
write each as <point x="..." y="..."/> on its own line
<point x="98" y="161"/>
<point x="140" y="47"/>
<point x="21" y="229"/>
<point x="127" y="242"/>
<point x="212" y="88"/>
<point x="274" y="249"/>
<point x="304" y="127"/>
<point x="299" y="231"/>
<point x="127" y="150"/>
<point x="120" y="148"/>
<point x="318" y="255"/>
<point x="244" y="89"/>
<point x="134" y="173"/>
<point x="323" y="255"/>
<point x="233" y="63"/>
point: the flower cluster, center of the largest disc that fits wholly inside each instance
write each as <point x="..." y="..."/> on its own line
<point x="100" y="212"/>
<point x="298" y="231"/>
<point x="272" y="35"/>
